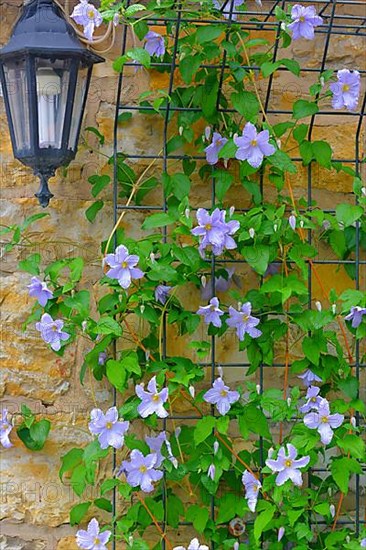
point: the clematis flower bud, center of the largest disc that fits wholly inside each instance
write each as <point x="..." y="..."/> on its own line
<point x="236" y="545"/>
<point x="231" y="211"/>
<point x="220" y="371"/>
<point x="332" y="510"/>
<point x="270" y="452"/>
<point x="181" y="130"/>
<point x="278" y="141"/>
<point x="275" y="227"/>
<point x="258" y="388"/>
<point x="363" y="191"/>
<point x="152" y="257"/>
<point x="142" y="308"/>
<point x="301" y="223"/>
<point x="203" y="281"/>
<point x="353" y="421"/>
<point x="207" y="132"/>
<point x="251" y="233"/>
<point x="289" y="400"/>
<point x="318" y="305"/>
<point x="215" y="447"/>
<point x="84" y="324"/>
<point x="192" y="391"/>
<point x="322" y="81"/>
<point x="292" y="222"/>
<point x="187" y="213"/>
<point x="211" y="471"/>
<point x="281" y="532"/>
<point x="334" y="309"/>
<point x="177" y="432"/>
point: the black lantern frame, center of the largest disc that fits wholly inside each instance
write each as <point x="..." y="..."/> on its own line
<point x="45" y="74"/>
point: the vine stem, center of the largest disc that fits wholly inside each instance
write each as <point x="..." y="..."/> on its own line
<point x="134" y="189"/>
<point x="156" y="523"/>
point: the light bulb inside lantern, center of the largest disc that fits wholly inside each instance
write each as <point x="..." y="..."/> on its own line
<point x="48" y="92"/>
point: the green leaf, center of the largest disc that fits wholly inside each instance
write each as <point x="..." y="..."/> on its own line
<point x="341" y="469"/>
<point x="353" y="444"/>
<point x="141" y="56"/>
<point x="262" y="520"/>
<point x="189" y="66"/>
<point x="70" y="460"/>
<point x="78" y="511"/>
<point x="281" y="160"/>
<point x="99" y="182"/>
<point x="103" y="504"/>
<point x="131" y="10"/>
<point x="257" y="257"/>
<point x="96" y="132"/>
<point x="158" y="220"/>
<point x="203" y="429"/>
<point x="255" y="421"/>
<point x="31" y="264"/>
<point x="79" y="301"/>
<point x="301" y="132"/>
<point x="223" y="182"/>
<point x="107" y="325"/>
<point x="33" y="218"/>
<point x="116" y="374"/>
<point x="306" y="152"/>
<point x="181" y="185"/>
<point x="208" y="33"/>
<point x="303" y="109"/>
<point x="246" y="103"/>
<point x="348" y="213"/>
<point x="35" y="436"/>
<point x="230" y="505"/>
<point x="92" y="211"/>
<point x="322" y="152"/>
<point x="199" y="517"/>
<point x="311" y="349"/>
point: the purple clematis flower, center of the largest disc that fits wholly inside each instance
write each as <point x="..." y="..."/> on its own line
<point x="355" y="315"/>
<point x="193" y="545"/>
<point x="152" y="401"/>
<point x="93" y="539"/>
<point x="162" y="293"/>
<point x="225" y="6"/>
<point x="123" y="266"/>
<point x="88" y="16"/>
<point x="292" y="222"/>
<point x="221" y="396"/>
<point x="287" y="466"/>
<point x="309" y="377"/>
<point x="110" y="431"/>
<point x="140" y="470"/>
<point x="252" y="486"/>
<point x="214" y="231"/>
<point x="363" y="543"/>
<point x="346" y="91"/>
<point x="5" y="429"/>
<point x="211" y="313"/>
<point x="280" y="534"/>
<point x="38" y="289"/>
<point x="253" y="146"/>
<point x="313" y="399"/>
<point x="323" y="421"/>
<point x="212" y="151"/>
<point x="51" y="331"/>
<point x="155" y="444"/>
<point x="243" y="321"/>
<point x="305" y="19"/>
<point x="154" y="44"/>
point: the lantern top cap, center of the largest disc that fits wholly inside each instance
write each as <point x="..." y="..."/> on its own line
<point x="42" y="29"/>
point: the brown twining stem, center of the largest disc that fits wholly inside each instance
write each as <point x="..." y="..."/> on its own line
<point x="156" y="523"/>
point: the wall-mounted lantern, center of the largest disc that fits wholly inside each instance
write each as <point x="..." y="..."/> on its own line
<point x="45" y="74"/>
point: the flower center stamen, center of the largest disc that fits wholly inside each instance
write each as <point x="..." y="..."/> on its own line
<point x="313" y="399"/>
<point x="302" y="19"/>
<point x="143" y="469"/>
<point x="156" y="397"/>
<point x="288" y="463"/>
<point x="345" y="87"/>
<point x="97" y="541"/>
<point x="223" y="393"/>
<point x="124" y="265"/>
<point x="108" y="425"/>
<point x="208" y="226"/>
<point x="324" y="419"/>
<point x="91" y="14"/>
<point x="254" y="143"/>
<point x="245" y="318"/>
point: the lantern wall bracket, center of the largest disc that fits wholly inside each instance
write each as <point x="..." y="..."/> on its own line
<point x="44" y="194"/>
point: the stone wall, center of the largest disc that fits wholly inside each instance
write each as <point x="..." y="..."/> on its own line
<point x="34" y="504"/>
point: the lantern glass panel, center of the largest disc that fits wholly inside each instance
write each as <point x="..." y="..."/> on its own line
<point x="17" y="91"/>
<point x="80" y="91"/>
<point x="52" y="81"/>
